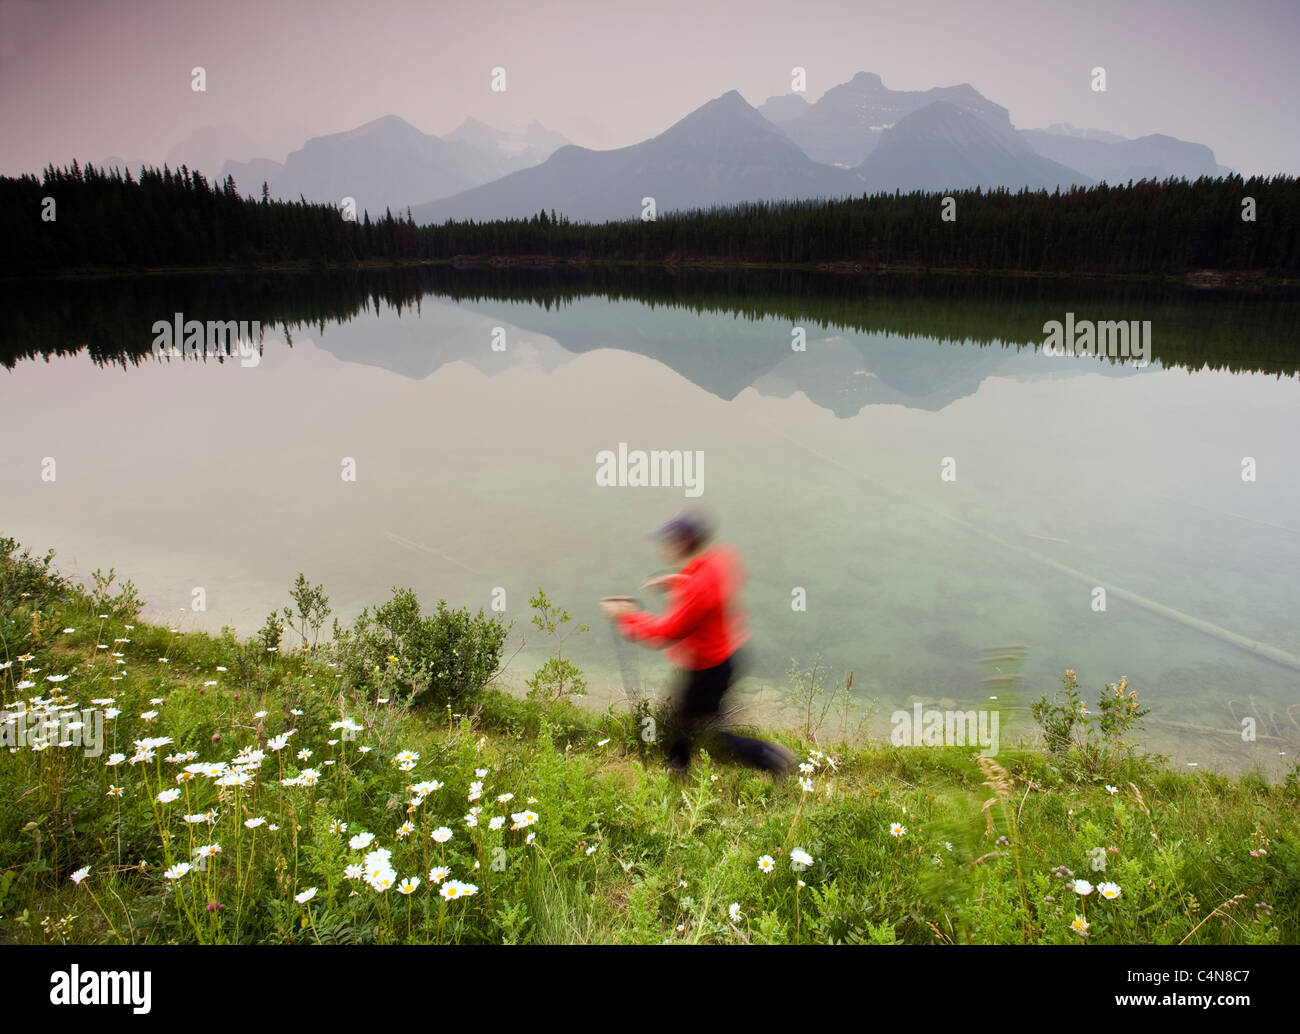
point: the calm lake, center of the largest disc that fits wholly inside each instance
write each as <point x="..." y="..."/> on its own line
<point x="1175" y="484"/>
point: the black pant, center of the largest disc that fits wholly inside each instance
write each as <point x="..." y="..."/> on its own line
<point x="695" y="711"/>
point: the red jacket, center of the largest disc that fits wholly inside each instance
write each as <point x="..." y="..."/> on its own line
<point x="701" y="620"/>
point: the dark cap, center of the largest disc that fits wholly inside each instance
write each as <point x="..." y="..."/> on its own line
<point x="690" y="526"/>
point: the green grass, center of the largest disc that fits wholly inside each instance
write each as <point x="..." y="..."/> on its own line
<point x="622" y="853"/>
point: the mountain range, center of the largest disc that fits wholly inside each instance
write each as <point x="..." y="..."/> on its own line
<point x="721" y="153"/>
<point x="859" y="137"/>
<point x="842" y="372"/>
<point x="850" y="120"/>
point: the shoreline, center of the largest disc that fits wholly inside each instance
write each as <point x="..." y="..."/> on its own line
<point x="1212" y="280"/>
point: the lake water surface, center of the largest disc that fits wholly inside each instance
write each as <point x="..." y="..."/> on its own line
<point x="476" y="469"/>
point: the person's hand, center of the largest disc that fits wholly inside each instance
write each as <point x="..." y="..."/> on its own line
<point x="663" y="582"/>
<point x="613" y="608"/>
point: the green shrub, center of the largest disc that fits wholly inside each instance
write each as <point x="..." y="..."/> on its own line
<point x="451" y="654"/>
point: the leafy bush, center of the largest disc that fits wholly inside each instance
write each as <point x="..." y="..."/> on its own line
<point x="124" y="603"/>
<point x="24" y="577"/>
<point x="451" y="653"/>
<point x="557" y="679"/>
<point x="1094" y="742"/>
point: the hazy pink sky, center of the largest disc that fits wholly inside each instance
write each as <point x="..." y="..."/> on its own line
<point x="94" y="78"/>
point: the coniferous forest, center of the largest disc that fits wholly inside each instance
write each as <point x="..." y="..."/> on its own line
<point x="85" y="219"/>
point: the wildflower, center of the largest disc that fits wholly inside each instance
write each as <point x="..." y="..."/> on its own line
<point x="404" y="830"/>
<point x="278" y="743"/>
<point x="178" y="870"/>
<point x="1112" y="790"/>
<point x="149" y="716"/>
<point x="207" y="850"/>
<point x="407" y="756"/>
<point x="167" y="796"/>
<point x="602" y="742"/>
<point x="523" y="818"/>
<point x="442" y="834"/>
<point x="382" y="880"/>
<point x="305" y="896"/>
<point x="353" y="872"/>
<point x="360" y="841"/>
<point x="1082" y="887"/>
<point x="114" y="791"/>
<point x="338" y="826"/>
<point x="505" y="798"/>
<point x="56" y="678"/>
<point x="1109" y="891"/>
<point x="806" y="785"/>
<point x="475" y="791"/>
<point x="471" y="820"/>
<point x="480" y="773"/>
<point x="152" y="742"/>
<point x="408" y="885"/>
<point x="254" y="823"/>
<point x="766" y="864"/>
<point x="496" y="822"/>
<point x="456" y="889"/>
<point x="1080" y="926"/>
<point x="733" y="912"/>
<point x="800" y="859"/>
<point x="114" y="760"/>
<point x="304" y="754"/>
<point x="807" y="768"/>
<point x="897" y="829"/>
<point x="530" y="838"/>
<point x="80" y="874"/>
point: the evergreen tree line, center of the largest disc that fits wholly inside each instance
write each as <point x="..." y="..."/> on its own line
<point x="108" y="220"/>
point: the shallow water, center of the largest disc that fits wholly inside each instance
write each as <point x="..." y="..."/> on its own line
<point x="476" y="470"/>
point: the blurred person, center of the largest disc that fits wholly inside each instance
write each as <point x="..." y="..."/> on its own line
<point x="702" y="630"/>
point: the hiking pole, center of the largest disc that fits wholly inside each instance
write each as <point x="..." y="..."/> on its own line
<point x="622" y="648"/>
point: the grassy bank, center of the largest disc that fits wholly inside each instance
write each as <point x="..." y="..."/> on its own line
<point x="255" y="793"/>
